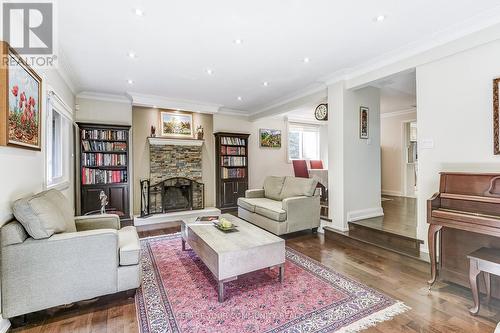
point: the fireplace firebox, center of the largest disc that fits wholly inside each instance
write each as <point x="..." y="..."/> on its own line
<point x="170" y="195"/>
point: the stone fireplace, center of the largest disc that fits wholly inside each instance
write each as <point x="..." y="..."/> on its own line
<point x="175" y="176"/>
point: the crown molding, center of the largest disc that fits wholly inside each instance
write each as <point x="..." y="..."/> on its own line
<point x="315" y="94"/>
<point x="172" y="103"/>
<point x="104" y="97"/>
<point x="233" y="112"/>
<point x="398" y="113"/>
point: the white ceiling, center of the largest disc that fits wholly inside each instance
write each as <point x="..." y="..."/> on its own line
<point x="398" y="92"/>
<point x="176" y="41"/>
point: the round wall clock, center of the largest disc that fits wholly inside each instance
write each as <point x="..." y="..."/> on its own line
<point x="321" y="112"/>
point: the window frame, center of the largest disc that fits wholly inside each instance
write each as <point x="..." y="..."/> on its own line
<point x="56" y="105"/>
<point x="296" y="124"/>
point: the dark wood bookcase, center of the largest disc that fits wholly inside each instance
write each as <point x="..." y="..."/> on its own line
<point x="231" y="169"/>
<point x="103" y="162"/>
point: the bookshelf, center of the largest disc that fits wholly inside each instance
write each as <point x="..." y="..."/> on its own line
<point x="103" y="163"/>
<point x="231" y="151"/>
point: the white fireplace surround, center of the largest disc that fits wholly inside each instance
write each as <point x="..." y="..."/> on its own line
<point x="159" y="141"/>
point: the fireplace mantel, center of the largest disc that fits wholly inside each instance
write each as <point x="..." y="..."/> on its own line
<point x="159" y="141"/>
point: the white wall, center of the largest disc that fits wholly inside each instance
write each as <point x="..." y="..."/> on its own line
<point x="354" y="168"/>
<point x="22" y="172"/>
<point x="454" y="98"/>
<point x="393" y="151"/>
<point x="105" y="112"/>
<point x="262" y="162"/>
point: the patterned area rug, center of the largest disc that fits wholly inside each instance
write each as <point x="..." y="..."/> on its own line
<point x="179" y="294"/>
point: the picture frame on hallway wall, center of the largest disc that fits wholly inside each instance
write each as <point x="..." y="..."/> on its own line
<point x="20" y="102"/>
<point x="496" y="116"/>
<point x="364" y="122"/>
<point x="269" y="138"/>
<point x="176" y="124"/>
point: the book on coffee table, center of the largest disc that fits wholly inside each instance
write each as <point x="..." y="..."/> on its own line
<point x="207" y="218"/>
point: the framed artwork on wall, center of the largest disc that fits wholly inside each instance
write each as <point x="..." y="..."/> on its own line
<point x="270" y="138"/>
<point x="20" y="102"/>
<point x="176" y="124"/>
<point x="363" y="122"/>
<point x="496" y="117"/>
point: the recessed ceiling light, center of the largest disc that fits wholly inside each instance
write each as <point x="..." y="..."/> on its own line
<point x="132" y="55"/>
<point x="238" y="41"/>
<point x="265" y="83"/>
<point x="380" y="18"/>
<point x="210" y="71"/>
<point x="306" y="60"/>
<point x="240" y="98"/>
<point x="139" y="12"/>
<point x="130" y="81"/>
<point x="154" y="106"/>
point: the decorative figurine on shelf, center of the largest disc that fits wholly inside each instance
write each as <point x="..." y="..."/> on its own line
<point x="199" y="133"/>
<point x="104" y="201"/>
<point x="153" y="131"/>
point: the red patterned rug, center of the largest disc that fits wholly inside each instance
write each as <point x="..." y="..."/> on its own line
<point x="179" y="294"/>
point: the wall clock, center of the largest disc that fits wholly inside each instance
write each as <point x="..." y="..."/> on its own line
<point x="321" y="112"/>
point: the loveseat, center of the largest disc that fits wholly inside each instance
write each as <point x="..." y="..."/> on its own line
<point x="51" y="258"/>
<point x="284" y="205"/>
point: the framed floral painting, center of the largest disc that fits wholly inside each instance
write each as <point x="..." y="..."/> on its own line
<point x="20" y="101"/>
<point x="270" y="138"/>
<point x="363" y="122"/>
<point x="176" y="124"/>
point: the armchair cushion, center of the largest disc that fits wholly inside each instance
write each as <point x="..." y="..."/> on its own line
<point x="102" y="221"/>
<point x="39" y="215"/>
<point x="64" y="206"/>
<point x="129" y="245"/>
<point x="270" y="209"/>
<point x="273" y="187"/>
<point x="295" y="187"/>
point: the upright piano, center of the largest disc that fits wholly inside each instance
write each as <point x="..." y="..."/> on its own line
<point x="465" y="216"/>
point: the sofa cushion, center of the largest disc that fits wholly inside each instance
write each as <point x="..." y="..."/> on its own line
<point x="296" y="187"/>
<point x="273" y="186"/>
<point x="65" y="207"/>
<point x="129" y="245"/>
<point x="39" y="215"/>
<point x="13" y="233"/>
<point x="270" y="209"/>
<point x="247" y="203"/>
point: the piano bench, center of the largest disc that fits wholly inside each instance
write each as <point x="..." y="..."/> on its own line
<point x="487" y="261"/>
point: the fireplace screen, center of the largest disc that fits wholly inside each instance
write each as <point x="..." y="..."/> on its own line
<point x="174" y="194"/>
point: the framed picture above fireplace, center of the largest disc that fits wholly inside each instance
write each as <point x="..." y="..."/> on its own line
<point x="176" y="124"/>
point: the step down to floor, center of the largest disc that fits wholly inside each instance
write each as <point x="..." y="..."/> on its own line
<point x="396" y="243"/>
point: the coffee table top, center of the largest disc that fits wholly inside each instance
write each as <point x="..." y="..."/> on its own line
<point x="248" y="235"/>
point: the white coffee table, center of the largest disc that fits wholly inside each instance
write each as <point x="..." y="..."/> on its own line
<point x="228" y="255"/>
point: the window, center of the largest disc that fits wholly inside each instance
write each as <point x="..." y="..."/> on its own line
<point x="58" y="145"/>
<point x="303" y="142"/>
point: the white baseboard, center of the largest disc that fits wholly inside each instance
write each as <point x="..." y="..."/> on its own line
<point x="4" y="325"/>
<point x="392" y="193"/>
<point x="363" y="214"/>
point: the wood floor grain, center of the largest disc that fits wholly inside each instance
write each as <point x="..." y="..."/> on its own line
<point x="444" y="309"/>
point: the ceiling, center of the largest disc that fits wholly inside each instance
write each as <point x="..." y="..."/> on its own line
<point x="398" y="92"/>
<point x="177" y="41"/>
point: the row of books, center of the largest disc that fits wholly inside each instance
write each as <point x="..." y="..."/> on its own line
<point x="97" y="134"/>
<point x="97" y="176"/>
<point x="233" y="173"/>
<point x="228" y="150"/>
<point x="99" y="159"/>
<point x="104" y="146"/>
<point x="234" y="161"/>
<point x="225" y="140"/>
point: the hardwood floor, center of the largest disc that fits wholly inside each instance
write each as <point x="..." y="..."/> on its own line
<point x="444" y="309"/>
<point x="400" y="217"/>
